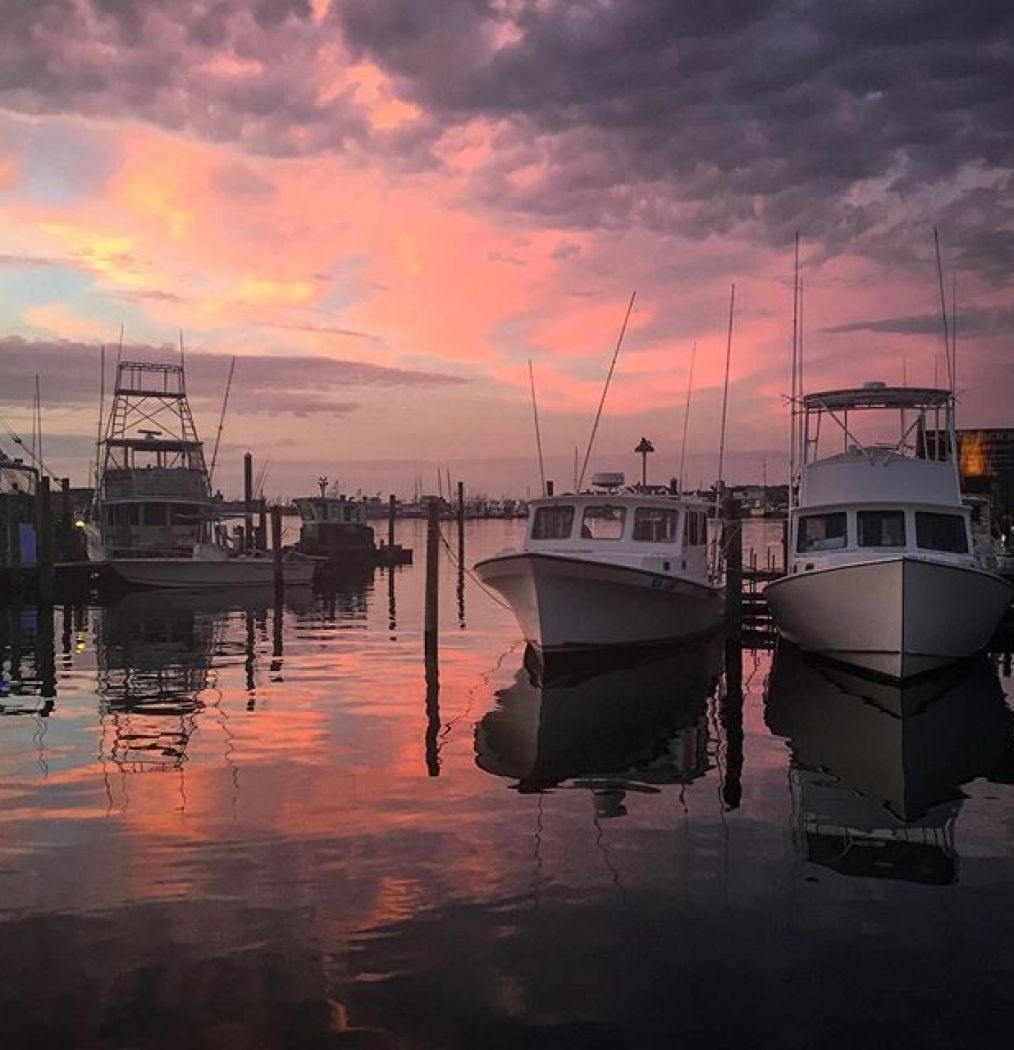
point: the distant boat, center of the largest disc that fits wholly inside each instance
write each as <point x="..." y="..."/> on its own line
<point x="334" y="528"/>
<point x="614" y="568"/>
<point x="155" y="521"/>
<point x="881" y="572"/>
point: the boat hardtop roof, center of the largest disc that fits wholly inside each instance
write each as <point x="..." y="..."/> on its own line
<point x="154" y="444"/>
<point x="878" y="395"/>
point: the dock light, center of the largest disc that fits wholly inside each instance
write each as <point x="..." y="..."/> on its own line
<point x="644" y="446"/>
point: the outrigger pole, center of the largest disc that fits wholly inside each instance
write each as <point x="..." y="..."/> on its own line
<point x="605" y="390"/>
<point x="221" y="419"/>
<point x="538" y="434"/>
<point x="686" y="414"/>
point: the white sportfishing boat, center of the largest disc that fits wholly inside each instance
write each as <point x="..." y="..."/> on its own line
<point x="155" y="521"/>
<point x="881" y="571"/>
<point x="615" y="567"/>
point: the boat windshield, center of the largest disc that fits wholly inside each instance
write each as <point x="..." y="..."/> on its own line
<point x="603" y="521"/>
<point x="881" y="528"/>
<point x="941" y="532"/>
<point x="553" y="523"/>
<point x="822" y="532"/>
<point x="656" y="524"/>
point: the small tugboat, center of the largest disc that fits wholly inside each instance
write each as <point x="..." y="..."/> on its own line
<point x="333" y="527"/>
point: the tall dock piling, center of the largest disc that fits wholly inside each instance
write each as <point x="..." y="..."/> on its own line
<point x="430" y="647"/>
<point x="248" y="543"/>
<point x="276" y="548"/>
<point x="392" y="513"/>
<point x="461" y="554"/>
<point x="732" y="541"/>
<point x="44" y="540"/>
<point x="432" y="573"/>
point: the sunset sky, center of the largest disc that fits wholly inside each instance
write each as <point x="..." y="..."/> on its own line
<point x="384" y="208"/>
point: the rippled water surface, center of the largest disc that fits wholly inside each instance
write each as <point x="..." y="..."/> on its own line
<point x="227" y="824"/>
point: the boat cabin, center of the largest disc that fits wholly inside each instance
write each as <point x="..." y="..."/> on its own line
<point x="332" y="524"/>
<point x="661" y="533"/>
<point x="833" y="534"/>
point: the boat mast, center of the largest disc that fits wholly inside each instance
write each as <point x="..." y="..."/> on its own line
<point x="221" y="418"/>
<point x="720" y="484"/>
<point x="102" y="405"/>
<point x="943" y="314"/>
<point x="538" y="433"/>
<point x="725" y="394"/>
<point x="686" y="414"/>
<point x="605" y="390"/>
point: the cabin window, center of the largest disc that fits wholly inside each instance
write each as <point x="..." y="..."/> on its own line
<point x="941" y="532"/>
<point x="552" y="523"/>
<point x="697" y="528"/>
<point x="881" y="528"/>
<point x="656" y="524"/>
<point x="821" y="532"/>
<point x="603" y="521"/>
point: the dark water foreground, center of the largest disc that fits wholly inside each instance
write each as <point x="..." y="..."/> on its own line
<point x="229" y="824"/>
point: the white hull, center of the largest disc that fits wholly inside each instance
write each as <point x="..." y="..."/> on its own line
<point x="897" y="617"/>
<point x="569" y="603"/>
<point x="227" y="572"/>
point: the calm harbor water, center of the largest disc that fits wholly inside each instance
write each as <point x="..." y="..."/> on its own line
<point x="226" y="824"/>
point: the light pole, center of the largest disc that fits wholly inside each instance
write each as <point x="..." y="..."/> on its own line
<point x="644" y="446"/>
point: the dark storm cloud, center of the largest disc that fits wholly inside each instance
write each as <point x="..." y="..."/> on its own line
<point x="224" y="70"/>
<point x="754" y="117"/>
<point x="744" y="115"/>
<point x="977" y="321"/>
<point x="71" y="377"/>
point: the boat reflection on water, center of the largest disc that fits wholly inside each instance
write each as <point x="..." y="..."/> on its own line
<point x="630" y="728"/>
<point x="877" y="769"/>
<point x="155" y="652"/>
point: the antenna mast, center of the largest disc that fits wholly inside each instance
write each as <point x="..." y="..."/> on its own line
<point x="221" y="418"/>
<point x="725" y="393"/>
<point x="686" y="414"/>
<point x="796" y="393"/>
<point x="605" y="390"/>
<point x="538" y="433"/>
<point x="943" y="314"/>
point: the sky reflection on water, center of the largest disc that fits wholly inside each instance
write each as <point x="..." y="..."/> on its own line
<point x="230" y="824"/>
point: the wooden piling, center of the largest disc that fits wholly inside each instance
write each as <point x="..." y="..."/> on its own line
<point x="66" y="547"/>
<point x="461" y="555"/>
<point x="430" y="647"/>
<point x="731" y="715"/>
<point x="732" y="529"/>
<point x="392" y="513"/>
<point x="432" y="573"/>
<point x="276" y="547"/>
<point x="262" y="524"/>
<point x="44" y="541"/>
<point x="45" y="651"/>
<point x="248" y="501"/>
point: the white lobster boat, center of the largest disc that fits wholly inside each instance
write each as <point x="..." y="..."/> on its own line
<point x="881" y="572"/>
<point x="610" y="569"/>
